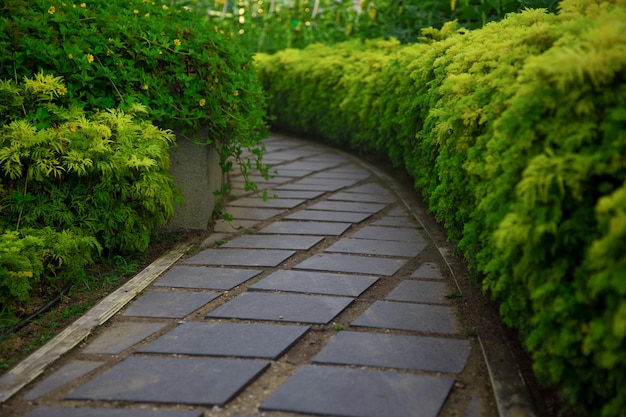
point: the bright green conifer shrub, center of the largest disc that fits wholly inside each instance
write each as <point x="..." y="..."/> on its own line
<point x="516" y="134"/>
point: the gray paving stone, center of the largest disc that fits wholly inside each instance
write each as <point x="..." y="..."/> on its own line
<point x="169" y="304"/>
<point x="404" y="316"/>
<point x="329" y="216"/>
<point x="306" y="228"/>
<point x="347" y="206"/>
<point x="240" y="257"/>
<point x="197" y="381"/>
<point x="120" y="336"/>
<point x="349" y="172"/>
<point x="395" y="351"/>
<point x="398" y="211"/>
<point x="418" y="292"/>
<point x="352" y="263"/>
<point x="428" y="270"/>
<point x="320" y="184"/>
<point x="72" y="370"/>
<point x="394" y="221"/>
<point x="314" y="309"/>
<point x="255" y="202"/>
<point x="363" y="198"/>
<point x="309" y="165"/>
<point x="370" y="188"/>
<point x="377" y="247"/>
<point x="204" y="277"/>
<point x="294" y="242"/>
<point x="234" y="226"/>
<point x="334" y="391"/>
<point x="108" y="412"/>
<point x="390" y="233"/>
<point x="292" y="173"/>
<point x="307" y="195"/>
<point x="252" y="213"/>
<point x="315" y="283"/>
<point x="264" y="341"/>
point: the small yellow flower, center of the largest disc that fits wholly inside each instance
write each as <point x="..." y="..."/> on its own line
<point x="109" y="52"/>
<point x="70" y="56"/>
<point x="147" y="15"/>
<point x="202" y="102"/>
<point x="90" y="58"/>
<point x="136" y="11"/>
<point x="61" y="91"/>
<point x="236" y="93"/>
<point x="110" y="40"/>
<point x="72" y="127"/>
<point x="160" y="52"/>
<point x="144" y="1"/>
<point x="52" y="10"/>
<point x="164" y="7"/>
<point x="83" y="5"/>
<point x="144" y="87"/>
<point x="177" y="42"/>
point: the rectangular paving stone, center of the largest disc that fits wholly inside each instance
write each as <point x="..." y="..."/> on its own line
<point x="169" y="304"/>
<point x="418" y="292"/>
<point x="309" y="165"/>
<point x="398" y="211"/>
<point x="196" y="381"/>
<point x="433" y="354"/>
<point x="315" y="283"/>
<point x="306" y="228"/>
<point x="314" y="309"/>
<point x="363" y="198"/>
<point x="294" y="242"/>
<point x="370" y="188"/>
<point x="412" y="317"/>
<point x="120" y="336"/>
<point x="109" y="412"/>
<point x="350" y="172"/>
<point x="352" y="263"/>
<point x="390" y="233"/>
<point x="394" y="221"/>
<point x="240" y="257"/>
<point x="377" y="247"/>
<point x="292" y="173"/>
<point x="347" y="206"/>
<point x="320" y="184"/>
<point x="203" y="277"/>
<point x="307" y="195"/>
<point x="254" y="213"/>
<point x="428" y="270"/>
<point x="69" y="372"/>
<point x="329" y="216"/>
<point x="265" y="341"/>
<point x="285" y="203"/>
<point x="331" y="391"/>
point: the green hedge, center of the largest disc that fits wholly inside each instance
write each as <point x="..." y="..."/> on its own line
<point x="516" y="134"/>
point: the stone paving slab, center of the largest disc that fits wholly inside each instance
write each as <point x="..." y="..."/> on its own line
<point x="398" y="211"/>
<point x="316" y="283"/>
<point x="327" y="185"/>
<point x="120" y="336"/>
<point x="432" y="354"/>
<point x="264" y="341"/>
<point x="308" y="195"/>
<point x="255" y="202"/>
<point x="394" y="221"/>
<point x="347" y="206"/>
<point x="370" y="188"/>
<point x="404" y="316"/>
<point x="195" y="381"/>
<point x="362" y="198"/>
<point x="390" y="233"/>
<point x="292" y="173"/>
<point x="294" y="242"/>
<point x="307" y="228"/>
<point x="69" y="372"/>
<point x="344" y="173"/>
<point x="311" y="166"/>
<point x="313" y="309"/>
<point x="352" y="263"/>
<point x="377" y="247"/>
<point x="247" y="213"/>
<point x="329" y="216"/>
<point x="240" y="257"/>
<point x="232" y="226"/>
<point x="109" y="412"/>
<point x="203" y="277"/>
<point x="418" y="292"/>
<point x="428" y="270"/>
<point x="169" y="304"/>
<point x="331" y="391"/>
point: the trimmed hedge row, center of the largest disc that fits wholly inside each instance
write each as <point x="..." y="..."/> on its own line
<point x="516" y="134"/>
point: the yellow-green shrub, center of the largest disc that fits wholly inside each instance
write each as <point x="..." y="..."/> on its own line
<point x="516" y="134"/>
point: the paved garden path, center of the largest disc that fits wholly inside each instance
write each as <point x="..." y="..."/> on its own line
<point x="331" y="299"/>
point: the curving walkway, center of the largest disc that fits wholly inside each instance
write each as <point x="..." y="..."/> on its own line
<point x="336" y="298"/>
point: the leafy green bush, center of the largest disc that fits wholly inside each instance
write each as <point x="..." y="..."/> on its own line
<point x="118" y="53"/>
<point x="516" y="134"/>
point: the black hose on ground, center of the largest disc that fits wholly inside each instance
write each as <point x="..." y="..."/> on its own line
<point x="42" y="310"/>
